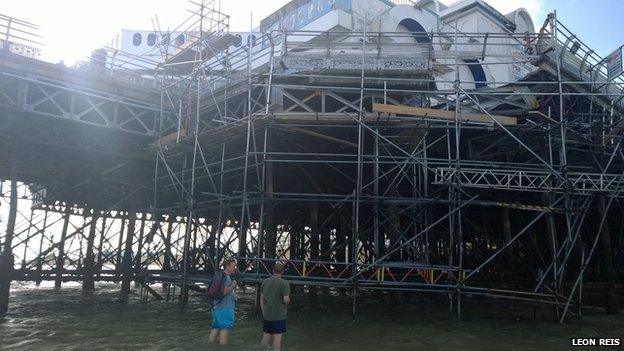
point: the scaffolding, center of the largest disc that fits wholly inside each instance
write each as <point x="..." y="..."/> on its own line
<point x="364" y="161"/>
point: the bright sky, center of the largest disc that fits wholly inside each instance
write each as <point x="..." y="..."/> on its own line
<point x="72" y="28"/>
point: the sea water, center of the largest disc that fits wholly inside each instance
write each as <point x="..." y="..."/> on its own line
<point x="45" y="318"/>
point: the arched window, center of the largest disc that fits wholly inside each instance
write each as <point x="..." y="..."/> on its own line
<point x="416" y="29"/>
<point x="251" y="40"/>
<point x="137" y="39"/>
<point x="238" y="40"/>
<point x="477" y="72"/>
<point x="151" y="39"/>
<point x="181" y="39"/>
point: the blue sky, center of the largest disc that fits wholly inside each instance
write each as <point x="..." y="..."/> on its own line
<point x="599" y="23"/>
<point x="74" y="27"/>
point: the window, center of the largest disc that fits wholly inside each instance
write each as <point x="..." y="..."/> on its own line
<point x="151" y="39"/>
<point x="251" y="40"/>
<point x="181" y="39"/>
<point x="165" y="38"/>
<point x="238" y="40"/>
<point x="137" y="39"/>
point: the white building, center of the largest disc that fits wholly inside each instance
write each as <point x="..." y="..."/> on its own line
<point x="146" y="48"/>
<point x="424" y="16"/>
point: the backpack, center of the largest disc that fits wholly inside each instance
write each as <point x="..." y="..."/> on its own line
<point x="214" y="292"/>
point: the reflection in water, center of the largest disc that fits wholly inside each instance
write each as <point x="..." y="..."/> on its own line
<point x="48" y="319"/>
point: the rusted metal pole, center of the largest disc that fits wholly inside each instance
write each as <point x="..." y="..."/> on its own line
<point x="40" y="258"/>
<point x="100" y="264"/>
<point x="127" y="257"/>
<point x="119" y="256"/>
<point x="88" y="283"/>
<point x="6" y="259"/>
<point x="139" y="254"/>
<point x="60" y="259"/>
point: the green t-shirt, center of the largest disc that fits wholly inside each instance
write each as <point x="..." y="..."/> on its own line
<point x="273" y="291"/>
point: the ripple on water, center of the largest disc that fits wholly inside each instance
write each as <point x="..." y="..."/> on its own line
<point x="51" y="319"/>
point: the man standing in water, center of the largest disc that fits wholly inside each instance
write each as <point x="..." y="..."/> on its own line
<point x="274" y="297"/>
<point x="223" y="309"/>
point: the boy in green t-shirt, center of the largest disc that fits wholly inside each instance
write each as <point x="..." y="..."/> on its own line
<point x="274" y="297"/>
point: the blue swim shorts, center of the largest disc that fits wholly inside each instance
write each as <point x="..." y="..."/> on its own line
<point x="223" y="318"/>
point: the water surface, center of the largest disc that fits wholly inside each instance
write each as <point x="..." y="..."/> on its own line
<point x="45" y="318"/>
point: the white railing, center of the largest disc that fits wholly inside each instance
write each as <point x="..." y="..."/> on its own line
<point x="19" y="37"/>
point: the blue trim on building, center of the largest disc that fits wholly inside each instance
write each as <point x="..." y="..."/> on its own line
<point x="296" y="15"/>
<point x="414" y="27"/>
<point x="477" y="73"/>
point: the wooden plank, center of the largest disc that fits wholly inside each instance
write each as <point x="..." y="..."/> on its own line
<point x="321" y="136"/>
<point x="170" y="139"/>
<point x="329" y="117"/>
<point x="442" y="114"/>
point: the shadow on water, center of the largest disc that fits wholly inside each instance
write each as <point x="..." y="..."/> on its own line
<point x="68" y="319"/>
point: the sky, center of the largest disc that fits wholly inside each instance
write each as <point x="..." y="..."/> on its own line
<point x="73" y="28"/>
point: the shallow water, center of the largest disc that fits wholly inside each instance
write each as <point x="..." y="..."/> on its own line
<point x="49" y="319"/>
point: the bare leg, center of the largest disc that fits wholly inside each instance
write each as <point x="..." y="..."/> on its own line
<point x="213" y="335"/>
<point x="223" y="336"/>
<point x="277" y="342"/>
<point x="266" y="339"/>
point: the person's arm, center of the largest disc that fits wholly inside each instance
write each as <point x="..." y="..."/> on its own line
<point x="228" y="288"/>
<point x="262" y="303"/>
<point x="286" y="294"/>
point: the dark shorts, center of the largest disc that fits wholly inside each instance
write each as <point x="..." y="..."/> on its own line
<point x="274" y="327"/>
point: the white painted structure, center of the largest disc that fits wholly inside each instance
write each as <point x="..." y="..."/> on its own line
<point x="153" y="45"/>
<point x="343" y="16"/>
<point x="467" y="16"/>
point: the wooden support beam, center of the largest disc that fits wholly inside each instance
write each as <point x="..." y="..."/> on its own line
<point x="321" y="136"/>
<point x="442" y="114"/>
